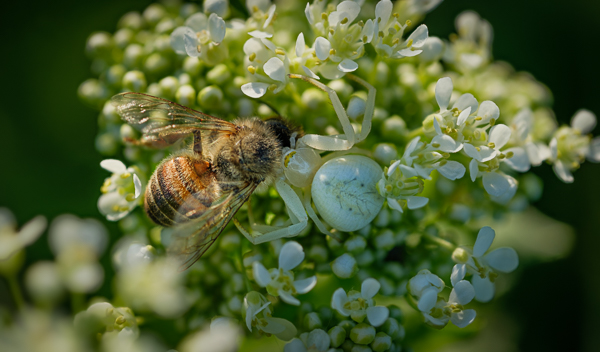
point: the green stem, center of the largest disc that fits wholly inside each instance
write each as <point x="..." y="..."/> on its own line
<point x="441" y="242"/>
<point x="15" y="290"/>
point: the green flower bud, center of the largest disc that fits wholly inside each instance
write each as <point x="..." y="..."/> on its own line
<point x="344" y="266"/>
<point x="186" y="95"/>
<point x="382" y="342"/>
<point x="347" y="346"/>
<point x="131" y="20"/>
<point x="210" y="97"/>
<point x="123" y="37"/>
<point x="460" y="255"/>
<point x="155" y="89"/>
<point x="169" y="86"/>
<point x="134" y="81"/>
<point x="394" y="269"/>
<point x="317" y="253"/>
<point x="218" y="74"/>
<point x="392" y="328"/>
<point x="337" y="334"/>
<point x="365" y="258"/>
<point x="154" y="13"/>
<point x="384" y="240"/>
<point x="114" y="76"/>
<point x="157" y="64"/>
<point x="394" y="128"/>
<point x="355" y="244"/>
<point x="93" y="92"/>
<point x="192" y="65"/>
<point x="385" y="153"/>
<point x="342" y="88"/>
<point x="347" y="325"/>
<point x="356" y="107"/>
<point x="133" y="57"/>
<point x="99" y="45"/>
<point x="362" y="334"/>
<point x="312" y="321"/>
<point x="313" y="98"/>
<point x="127" y="132"/>
<point x="383" y="73"/>
<point x="106" y="144"/>
<point x="166" y="25"/>
<point x="361" y="348"/>
<point x="188" y="9"/>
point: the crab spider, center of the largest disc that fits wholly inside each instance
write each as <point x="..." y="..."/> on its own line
<point x="301" y="162"/>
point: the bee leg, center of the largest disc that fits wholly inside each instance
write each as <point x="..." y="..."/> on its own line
<point x="197" y="142"/>
<point x="369" y="107"/>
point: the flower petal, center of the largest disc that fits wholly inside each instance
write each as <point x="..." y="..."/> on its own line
<point x="261" y="274"/>
<point x="113" y="165"/>
<point x="377" y="315"/>
<point x="495" y="184"/>
<point x="393" y="203"/>
<point x="287" y="297"/>
<point x="473" y="169"/>
<point x="464" y="115"/>
<point x="452" y="170"/>
<point x="260" y="34"/>
<point x="270" y="15"/>
<point x="484" y="240"/>
<point x="443" y="92"/>
<point x="177" y="39"/>
<point x="383" y="10"/>
<point x="503" y="259"/>
<point x="472" y="151"/>
<point x="519" y="160"/>
<point x="584" y="121"/>
<point x="488" y="110"/>
<point x="137" y="184"/>
<point x="462" y="293"/>
<point x="347" y="65"/>
<point x="191" y="43"/>
<point x="309" y="73"/>
<point x="463" y="318"/>
<point x="322" y="47"/>
<point x="291" y="255"/>
<point x="447" y="143"/>
<point x="562" y="171"/>
<point x="300" y="45"/>
<point x="416" y="202"/>
<point x="255" y="89"/>
<point x="458" y="273"/>
<point x="369" y="288"/>
<point x="465" y="101"/>
<point x="197" y="22"/>
<point x="419" y="36"/>
<point x="275" y="69"/>
<point x="338" y="299"/>
<point x="305" y="285"/>
<point x="484" y="288"/>
<point x="499" y="135"/>
<point x="216" y="28"/>
<point x="428" y="300"/>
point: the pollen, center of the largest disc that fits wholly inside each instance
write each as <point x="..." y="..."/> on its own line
<point x="252" y="57"/>
<point x="288" y="158"/>
<point x="252" y="69"/>
<point x="279" y="51"/>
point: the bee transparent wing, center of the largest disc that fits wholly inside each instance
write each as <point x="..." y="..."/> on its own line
<point x="163" y="120"/>
<point x="191" y="239"/>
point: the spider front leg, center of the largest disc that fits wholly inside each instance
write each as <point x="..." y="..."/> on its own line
<point x="349" y="138"/>
<point x="297" y="215"/>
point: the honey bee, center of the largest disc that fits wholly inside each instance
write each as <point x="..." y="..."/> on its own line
<point x="198" y="189"/>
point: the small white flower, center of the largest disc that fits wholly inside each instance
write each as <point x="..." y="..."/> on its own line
<point x="280" y="282"/>
<point x="223" y="335"/>
<point x="485" y="266"/>
<point x="198" y="33"/>
<point x="104" y="318"/>
<point x="486" y="159"/>
<point x="472" y="48"/>
<point x="360" y="305"/>
<point x="12" y="241"/>
<point x="423" y="281"/>
<point x="570" y="146"/>
<point x="257" y="314"/>
<point x="120" y="192"/>
<point x="395" y="186"/>
<point x="521" y="136"/>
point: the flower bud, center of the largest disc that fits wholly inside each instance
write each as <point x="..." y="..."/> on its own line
<point x="362" y="334"/>
<point x="312" y="321"/>
<point x="384" y="240"/>
<point x="317" y="253"/>
<point x="218" y="75"/>
<point x="106" y="144"/>
<point x="337" y="334"/>
<point x="134" y="81"/>
<point x="99" y="45"/>
<point x="155" y="89"/>
<point x="210" y="97"/>
<point x="394" y="128"/>
<point x="133" y="56"/>
<point x="131" y="20"/>
<point x="93" y="92"/>
<point x="344" y="266"/>
<point x="382" y="342"/>
<point x="392" y="328"/>
<point x="355" y="244"/>
<point x="154" y="13"/>
<point x="356" y="107"/>
<point x="220" y="7"/>
<point x="157" y="64"/>
<point x="341" y="87"/>
<point x="114" y="76"/>
<point x="385" y="153"/>
<point x="192" y="65"/>
<point x="460" y="255"/>
<point x="169" y="86"/>
<point x="43" y="282"/>
<point x="186" y="95"/>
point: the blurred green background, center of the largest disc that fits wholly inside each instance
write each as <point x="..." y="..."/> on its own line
<point x="49" y="164"/>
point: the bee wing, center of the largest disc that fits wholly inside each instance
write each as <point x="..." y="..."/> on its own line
<point x="160" y="117"/>
<point x="193" y="238"/>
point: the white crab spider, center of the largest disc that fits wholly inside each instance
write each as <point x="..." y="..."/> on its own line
<point x="302" y="161"/>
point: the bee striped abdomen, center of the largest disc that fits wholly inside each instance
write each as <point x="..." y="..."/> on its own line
<point x="182" y="188"/>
